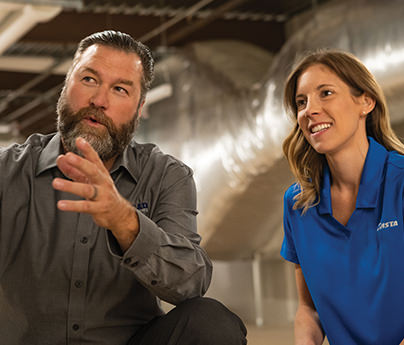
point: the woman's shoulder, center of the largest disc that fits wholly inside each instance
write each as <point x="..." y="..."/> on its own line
<point x="396" y="160"/>
<point x="394" y="172"/>
<point x="291" y="193"/>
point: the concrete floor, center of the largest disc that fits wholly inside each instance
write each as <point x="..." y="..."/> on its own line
<point x="265" y="336"/>
<point x="271" y="336"/>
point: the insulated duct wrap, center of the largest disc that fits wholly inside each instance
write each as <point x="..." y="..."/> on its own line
<point x="225" y="117"/>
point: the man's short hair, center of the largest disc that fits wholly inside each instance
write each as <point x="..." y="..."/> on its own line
<point x="124" y="42"/>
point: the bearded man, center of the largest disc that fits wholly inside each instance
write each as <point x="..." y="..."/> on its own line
<point x="95" y="228"/>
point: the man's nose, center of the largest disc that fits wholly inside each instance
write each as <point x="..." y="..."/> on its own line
<point x="100" y="98"/>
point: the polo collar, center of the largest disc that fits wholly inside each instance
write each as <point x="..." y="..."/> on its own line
<point x="371" y="179"/>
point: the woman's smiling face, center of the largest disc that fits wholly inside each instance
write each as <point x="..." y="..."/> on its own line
<point x="329" y="115"/>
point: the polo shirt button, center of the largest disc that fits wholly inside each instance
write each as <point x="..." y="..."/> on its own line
<point x="75" y="327"/>
<point x="127" y="261"/>
<point x="153" y="282"/>
<point x="78" y="284"/>
<point x="84" y="240"/>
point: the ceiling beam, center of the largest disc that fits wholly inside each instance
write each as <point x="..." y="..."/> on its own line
<point x="18" y="19"/>
<point x="217" y="13"/>
<point x="163" y="27"/>
<point x="74" y="4"/>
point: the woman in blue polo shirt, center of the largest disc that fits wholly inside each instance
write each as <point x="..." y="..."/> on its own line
<point x="343" y="218"/>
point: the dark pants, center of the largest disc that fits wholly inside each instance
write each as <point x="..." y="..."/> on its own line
<point x="198" y="321"/>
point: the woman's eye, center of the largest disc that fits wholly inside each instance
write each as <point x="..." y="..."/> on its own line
<point x="326" y="92"/>
<point x="300" y="103"/>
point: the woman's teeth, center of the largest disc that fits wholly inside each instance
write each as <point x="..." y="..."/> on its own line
<point x="320" y="127"/>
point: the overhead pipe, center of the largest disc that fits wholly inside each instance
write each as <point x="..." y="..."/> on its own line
<point x="16" y="114"/>
<point x="27" y="86"/>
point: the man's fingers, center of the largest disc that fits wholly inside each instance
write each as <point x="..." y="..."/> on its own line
<point x="82" y="206"/>
<point x="84" y="190"/>
<point x="82" y="169"/>
<point x="70" y="170"/>
<point x="88" y="152"/>
<point x="78" y="168"/>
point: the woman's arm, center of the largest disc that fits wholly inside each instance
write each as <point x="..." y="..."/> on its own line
<point x="308" y="330"/>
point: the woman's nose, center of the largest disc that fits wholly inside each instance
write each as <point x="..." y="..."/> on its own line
<point x="312" y="107"/>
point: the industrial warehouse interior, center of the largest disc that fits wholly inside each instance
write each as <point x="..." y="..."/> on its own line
<point x="216" y="104"/>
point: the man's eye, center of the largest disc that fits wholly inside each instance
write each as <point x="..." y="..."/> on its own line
<point x="121" y="90"/>
<point x="88" y="79"/>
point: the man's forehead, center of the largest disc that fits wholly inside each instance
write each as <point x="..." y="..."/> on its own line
<point x="99" y="52"/>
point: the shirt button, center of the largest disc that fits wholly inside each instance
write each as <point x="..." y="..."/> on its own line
<point x="84" y="240"/>
<point x="127" y="261"/>
<point x="75" y="327"/>
<point x="153" y="282"/>
<point x="78" y="284"/>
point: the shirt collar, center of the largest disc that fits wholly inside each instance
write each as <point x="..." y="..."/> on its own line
<point x="371" y="179"/>
<point x="128" y="161"/>
<point x="48" y="156"/>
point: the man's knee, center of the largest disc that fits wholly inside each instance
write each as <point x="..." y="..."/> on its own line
<point x="210" y="320"/>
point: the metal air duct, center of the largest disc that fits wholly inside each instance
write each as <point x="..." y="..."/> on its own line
<point x="227" y="122"/>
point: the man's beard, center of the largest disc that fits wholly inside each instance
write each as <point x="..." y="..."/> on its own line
<point x="108" y="141"/>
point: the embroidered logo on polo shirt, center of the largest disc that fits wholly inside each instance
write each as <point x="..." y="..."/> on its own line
<point x="387" y="225"/>
<point x="143" y="207"/>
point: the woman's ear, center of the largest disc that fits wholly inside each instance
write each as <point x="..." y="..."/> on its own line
<point x="368" y="103"/>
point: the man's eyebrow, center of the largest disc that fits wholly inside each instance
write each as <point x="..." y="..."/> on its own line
<point x="91" y="70"/>
<point x="125" y="82"/>
<point x="119" y="81"/>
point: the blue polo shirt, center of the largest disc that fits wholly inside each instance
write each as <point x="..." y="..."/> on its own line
<point x="355" y="273"/>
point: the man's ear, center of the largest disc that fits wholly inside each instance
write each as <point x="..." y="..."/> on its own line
<point x="139" y="114"/>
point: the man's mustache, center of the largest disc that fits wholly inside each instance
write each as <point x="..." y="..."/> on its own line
<point x="95" y="114"/>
